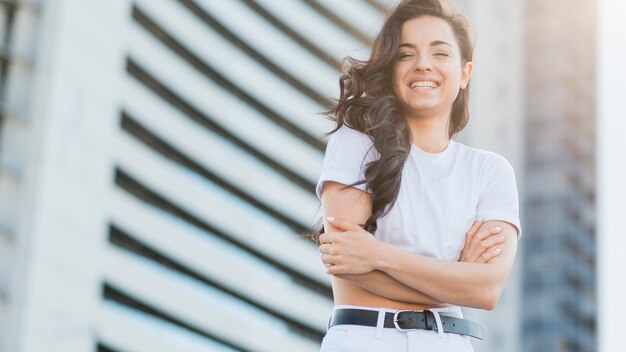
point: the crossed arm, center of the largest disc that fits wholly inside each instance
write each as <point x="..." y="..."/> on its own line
<point x="382" y="284"/>
<point x="404" y="276"/>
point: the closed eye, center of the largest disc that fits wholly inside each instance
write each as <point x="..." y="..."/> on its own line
<point x="442" y="54"/>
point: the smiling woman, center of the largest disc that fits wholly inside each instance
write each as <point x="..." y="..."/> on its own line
<point x="427" y="74"/>
<point x="401" y="237"/>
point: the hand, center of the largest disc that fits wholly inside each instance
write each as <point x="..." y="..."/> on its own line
<point x="481" y="247"/>
<point x="351" y="250"/>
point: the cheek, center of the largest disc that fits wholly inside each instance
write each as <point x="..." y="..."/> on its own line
<point x="399" y="72"/>
<point x="396" y="81"/>
<point x="451" y="87"/>
<point x="395" y="75"/>
<point x="452" y="76"/>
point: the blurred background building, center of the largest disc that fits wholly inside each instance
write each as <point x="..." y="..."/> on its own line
<point x="497" y="115"/>
<point x="559" y="285"/>
<point x="158" y="160"/>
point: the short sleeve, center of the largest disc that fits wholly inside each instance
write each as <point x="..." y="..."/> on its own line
<point x="499" y="198"/>
<point x="348" y="152"/>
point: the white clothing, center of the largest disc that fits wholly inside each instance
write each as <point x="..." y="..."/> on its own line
<point x="440" y="194"/>
<point x="378" y="338"/>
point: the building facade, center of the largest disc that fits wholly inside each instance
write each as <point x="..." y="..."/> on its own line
<point x="559" y="274"/>
<point x="497" y="123"/>
<point x="158" y="161"/>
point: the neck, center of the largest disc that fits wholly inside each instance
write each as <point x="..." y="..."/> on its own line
<point x="429" y="134"/>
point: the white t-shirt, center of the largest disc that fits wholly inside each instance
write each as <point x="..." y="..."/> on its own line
<point x="440" y="194"/>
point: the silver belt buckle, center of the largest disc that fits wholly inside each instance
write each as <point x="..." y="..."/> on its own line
<point x="395" y="319"/>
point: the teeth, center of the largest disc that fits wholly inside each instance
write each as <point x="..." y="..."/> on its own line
<point x="424" y="84"/>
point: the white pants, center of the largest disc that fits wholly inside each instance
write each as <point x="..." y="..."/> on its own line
<point x="358" y="338"/>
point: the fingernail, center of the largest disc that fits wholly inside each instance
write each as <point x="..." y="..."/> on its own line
<point x="498" y="250"/>
<point x="497" y="228"/>
<point x="481" y="219"/>
<point x="501" y="237"/>
<point x="330" y="218"/>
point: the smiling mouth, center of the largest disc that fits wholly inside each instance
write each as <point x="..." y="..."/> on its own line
<point x="423" y="85"/>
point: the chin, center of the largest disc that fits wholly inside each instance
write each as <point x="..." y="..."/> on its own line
<point x="421" y="108"/>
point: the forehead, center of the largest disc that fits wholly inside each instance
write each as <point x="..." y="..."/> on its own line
<point x="423" y="30"/>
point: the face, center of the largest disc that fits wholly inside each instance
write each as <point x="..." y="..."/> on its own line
<point x="428" y="73"/>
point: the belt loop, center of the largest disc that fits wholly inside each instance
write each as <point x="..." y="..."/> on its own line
<point x="439" y="325"/>
<point x="380" y="325"/>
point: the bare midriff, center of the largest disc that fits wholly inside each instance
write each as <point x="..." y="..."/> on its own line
<point x="345" y="292"/>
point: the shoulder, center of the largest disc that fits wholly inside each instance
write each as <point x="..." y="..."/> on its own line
<point x="348" y="153"/>
<point x="346" y="132"/>
<point x="487" y="165"/>
<point x="351" y="141"/>
<point x="485" y="159"/>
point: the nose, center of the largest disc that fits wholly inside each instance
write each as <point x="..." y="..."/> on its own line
<point x="423" y="65"/>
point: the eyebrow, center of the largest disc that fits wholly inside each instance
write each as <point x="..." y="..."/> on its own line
<point x="433" y="43"/>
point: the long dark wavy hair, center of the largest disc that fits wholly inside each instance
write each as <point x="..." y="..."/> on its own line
<point x="368" y="104"/>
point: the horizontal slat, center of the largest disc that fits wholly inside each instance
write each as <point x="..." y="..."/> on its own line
<point x="212" y="204"/>
<point x="389" y="4"/>
<point x="200" y="306"/>
<point x="248" y="126"/>
<point x="265" y="38"/>
<point x="219" y="261"/>
<point x="190" y="86"/>
<point x="125" y="329"/>
<point x="221" y="157"/>
<point x="235" y="65"/>
<point x="313" y="26"/>
<point x="356" y="12"/>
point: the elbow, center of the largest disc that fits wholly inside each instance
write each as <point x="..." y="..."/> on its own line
<point x="485" y="299"/>
<point x="490" y="304"/>
<point x="491" y="298"/>
<point x="492" y="290"/>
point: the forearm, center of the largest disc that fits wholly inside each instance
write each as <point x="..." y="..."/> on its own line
<point x="380" y="283"/>
<point x="348" y="249"/>
<point x="475" y="285"/>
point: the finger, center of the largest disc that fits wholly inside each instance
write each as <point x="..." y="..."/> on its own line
<point x="325" y="248"/>
<point x="329" y="259"/>
<point x="326" y="238"/>
<point x="488" y="255"/>
<point x="342" y="224"/>
<point x="477" y="240"/>
<point x="494" y="240"/>
<point x="468" y="236"/>
<point x="331" y="249"/>
<point x="487" y="244"/>
<point x="492" y="231"/>
<point x="335" y="270"/>
<point x="476" y="225"/>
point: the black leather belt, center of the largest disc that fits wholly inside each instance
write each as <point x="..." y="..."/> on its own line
<point x="405" y="320"/>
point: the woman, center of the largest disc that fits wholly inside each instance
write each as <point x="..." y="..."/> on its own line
<point x="400" y="197"/>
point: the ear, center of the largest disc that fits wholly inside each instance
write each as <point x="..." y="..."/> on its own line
<point x="466" y="74"/>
